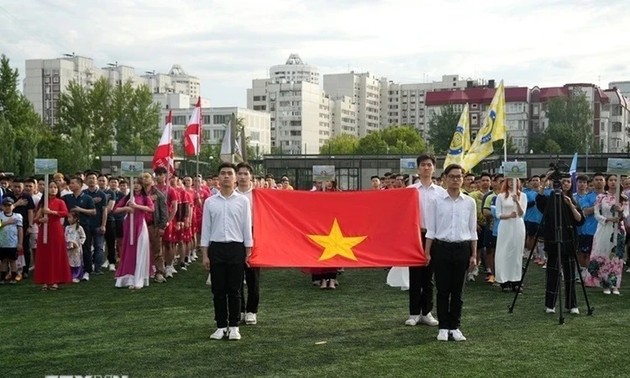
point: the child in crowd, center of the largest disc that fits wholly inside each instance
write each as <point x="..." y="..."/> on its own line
<point x="10" y="240"/>
<point x="75" y="237"/>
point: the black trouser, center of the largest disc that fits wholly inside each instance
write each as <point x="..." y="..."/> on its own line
<point x="420" y="288"/>
<point x="110" y="240"/>
<point x="26" y="248"/>
<point x="227" y="262"/>
<point x="450" y="264"/>
<point x="252" y="280"/>
<point x="93" y="238"/>
<point x="568" y="270"/>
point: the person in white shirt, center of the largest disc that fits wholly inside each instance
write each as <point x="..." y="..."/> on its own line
<point x="420" y="277"/>
<point x="451" y="248"/>
<point x="226" y="241"/>
<point x="249" y="308"/>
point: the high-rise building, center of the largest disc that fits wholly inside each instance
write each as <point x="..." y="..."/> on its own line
<point x="299" y="110"/>
<point x="46" y="79"/>
<point x="405" y="104"/>
<point x="364" y="90"/>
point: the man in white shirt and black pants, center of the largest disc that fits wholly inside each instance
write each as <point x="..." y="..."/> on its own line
<point x="226" y="241"/>
<point x="420" y="277"/>
<point x="451" y="246"/>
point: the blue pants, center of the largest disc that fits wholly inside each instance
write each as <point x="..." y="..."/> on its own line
<point x="93" y="238"/>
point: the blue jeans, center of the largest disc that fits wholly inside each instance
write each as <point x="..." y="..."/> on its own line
<point x="93" y="238"/>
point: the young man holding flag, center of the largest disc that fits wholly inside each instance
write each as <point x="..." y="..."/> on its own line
<point x="420" y="277"/>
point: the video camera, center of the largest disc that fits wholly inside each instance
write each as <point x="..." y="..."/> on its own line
<point x="558" y="171"/>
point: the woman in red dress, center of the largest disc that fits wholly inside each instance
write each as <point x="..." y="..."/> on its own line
<point x="51" y="261"/>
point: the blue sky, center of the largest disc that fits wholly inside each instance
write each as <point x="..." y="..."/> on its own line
<point x="228" y="43"/>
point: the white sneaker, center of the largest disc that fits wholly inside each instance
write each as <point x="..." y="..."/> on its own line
<point x="470" y="277"/>
<point x="413" y="320"/>
<point x="429" y="320"/>
<point x="607" y="291"/>
<point x="112" y="267"/>
<point x="86" y="276"/>
<point x="628" y="270"/>
<point x="575" y="311"/>
<point x="219" y="334"/>
<point x="234" y="333"/>
<point x="550" y="310"/>
<point x="457" y="335"/>
<point x="105" y="264"/>
<point x="616" y="291"/>
<point x="442" y="335"/>
<point x="75" y="280"/>
<point x="250" y="318"/>
<point x="209" y="281"/>
<point x="173" y="270"/>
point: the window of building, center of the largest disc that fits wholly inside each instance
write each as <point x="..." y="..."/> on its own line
<point x="218" y="134"/>
<point x="220" y="119"/>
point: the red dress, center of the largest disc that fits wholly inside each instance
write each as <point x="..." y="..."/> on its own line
<point x="51" y="261"/>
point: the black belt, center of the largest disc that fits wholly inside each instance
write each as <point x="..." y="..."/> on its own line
<point x="460" y="244"/>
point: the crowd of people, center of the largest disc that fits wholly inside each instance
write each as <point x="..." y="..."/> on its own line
<point x="516" y="219"/>
<point x="155" y="225"/>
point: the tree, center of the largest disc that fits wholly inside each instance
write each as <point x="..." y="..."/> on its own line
<point x="372" y="144"/>
<point x="21" y="128"/>
<point x="93" y="121"/>
<point x="441" y="129"/>
<point x="344" y="144"/>
<point x="510" y="147"/>
<point x="570" y="126"/>
<point x="136" y="127"/>
<point x="403" y="140"/>
<point x="75" y="129"/>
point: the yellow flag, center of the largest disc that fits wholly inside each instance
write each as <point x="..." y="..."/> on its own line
<point x="498" y="105"/>
<point x="461" y="140"/>
<point x="493" y="129"/>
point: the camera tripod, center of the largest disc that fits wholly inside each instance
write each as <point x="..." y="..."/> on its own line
<point x="554" y="206"/>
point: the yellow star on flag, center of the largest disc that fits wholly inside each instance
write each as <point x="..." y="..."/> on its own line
<point x="336" y="244"/>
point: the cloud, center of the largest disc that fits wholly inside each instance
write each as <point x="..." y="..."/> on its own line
<point x="229" y="43"/>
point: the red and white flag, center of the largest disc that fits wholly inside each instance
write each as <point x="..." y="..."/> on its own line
<point x="163" y="156"/>
<point x="192" y="135"/>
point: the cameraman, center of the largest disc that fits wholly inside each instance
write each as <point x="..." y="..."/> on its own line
<point x="571" y="217"/>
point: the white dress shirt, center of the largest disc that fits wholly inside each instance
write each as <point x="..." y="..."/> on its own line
<point x="227" y="219"/>
<point x="451" y="220"/>
<point x="427" y="194"/>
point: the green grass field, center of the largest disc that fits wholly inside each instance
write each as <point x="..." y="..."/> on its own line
<point x="357" y="330"/>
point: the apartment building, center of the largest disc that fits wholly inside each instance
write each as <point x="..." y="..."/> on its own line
<point x="46" y="79"/>
<point x="406" y="103"/>
<point x="299" y="110"/>
<point x="479" y="98"/>
<point x="364" y="89"/>
<point x="257" y="125"/>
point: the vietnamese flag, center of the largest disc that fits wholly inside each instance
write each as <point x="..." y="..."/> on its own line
<point x="336" y="229"/>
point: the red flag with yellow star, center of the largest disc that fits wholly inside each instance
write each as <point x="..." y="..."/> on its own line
<point x="336" y="229"/>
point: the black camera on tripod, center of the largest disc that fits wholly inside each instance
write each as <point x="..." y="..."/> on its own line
<point x="558" y="171"/>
